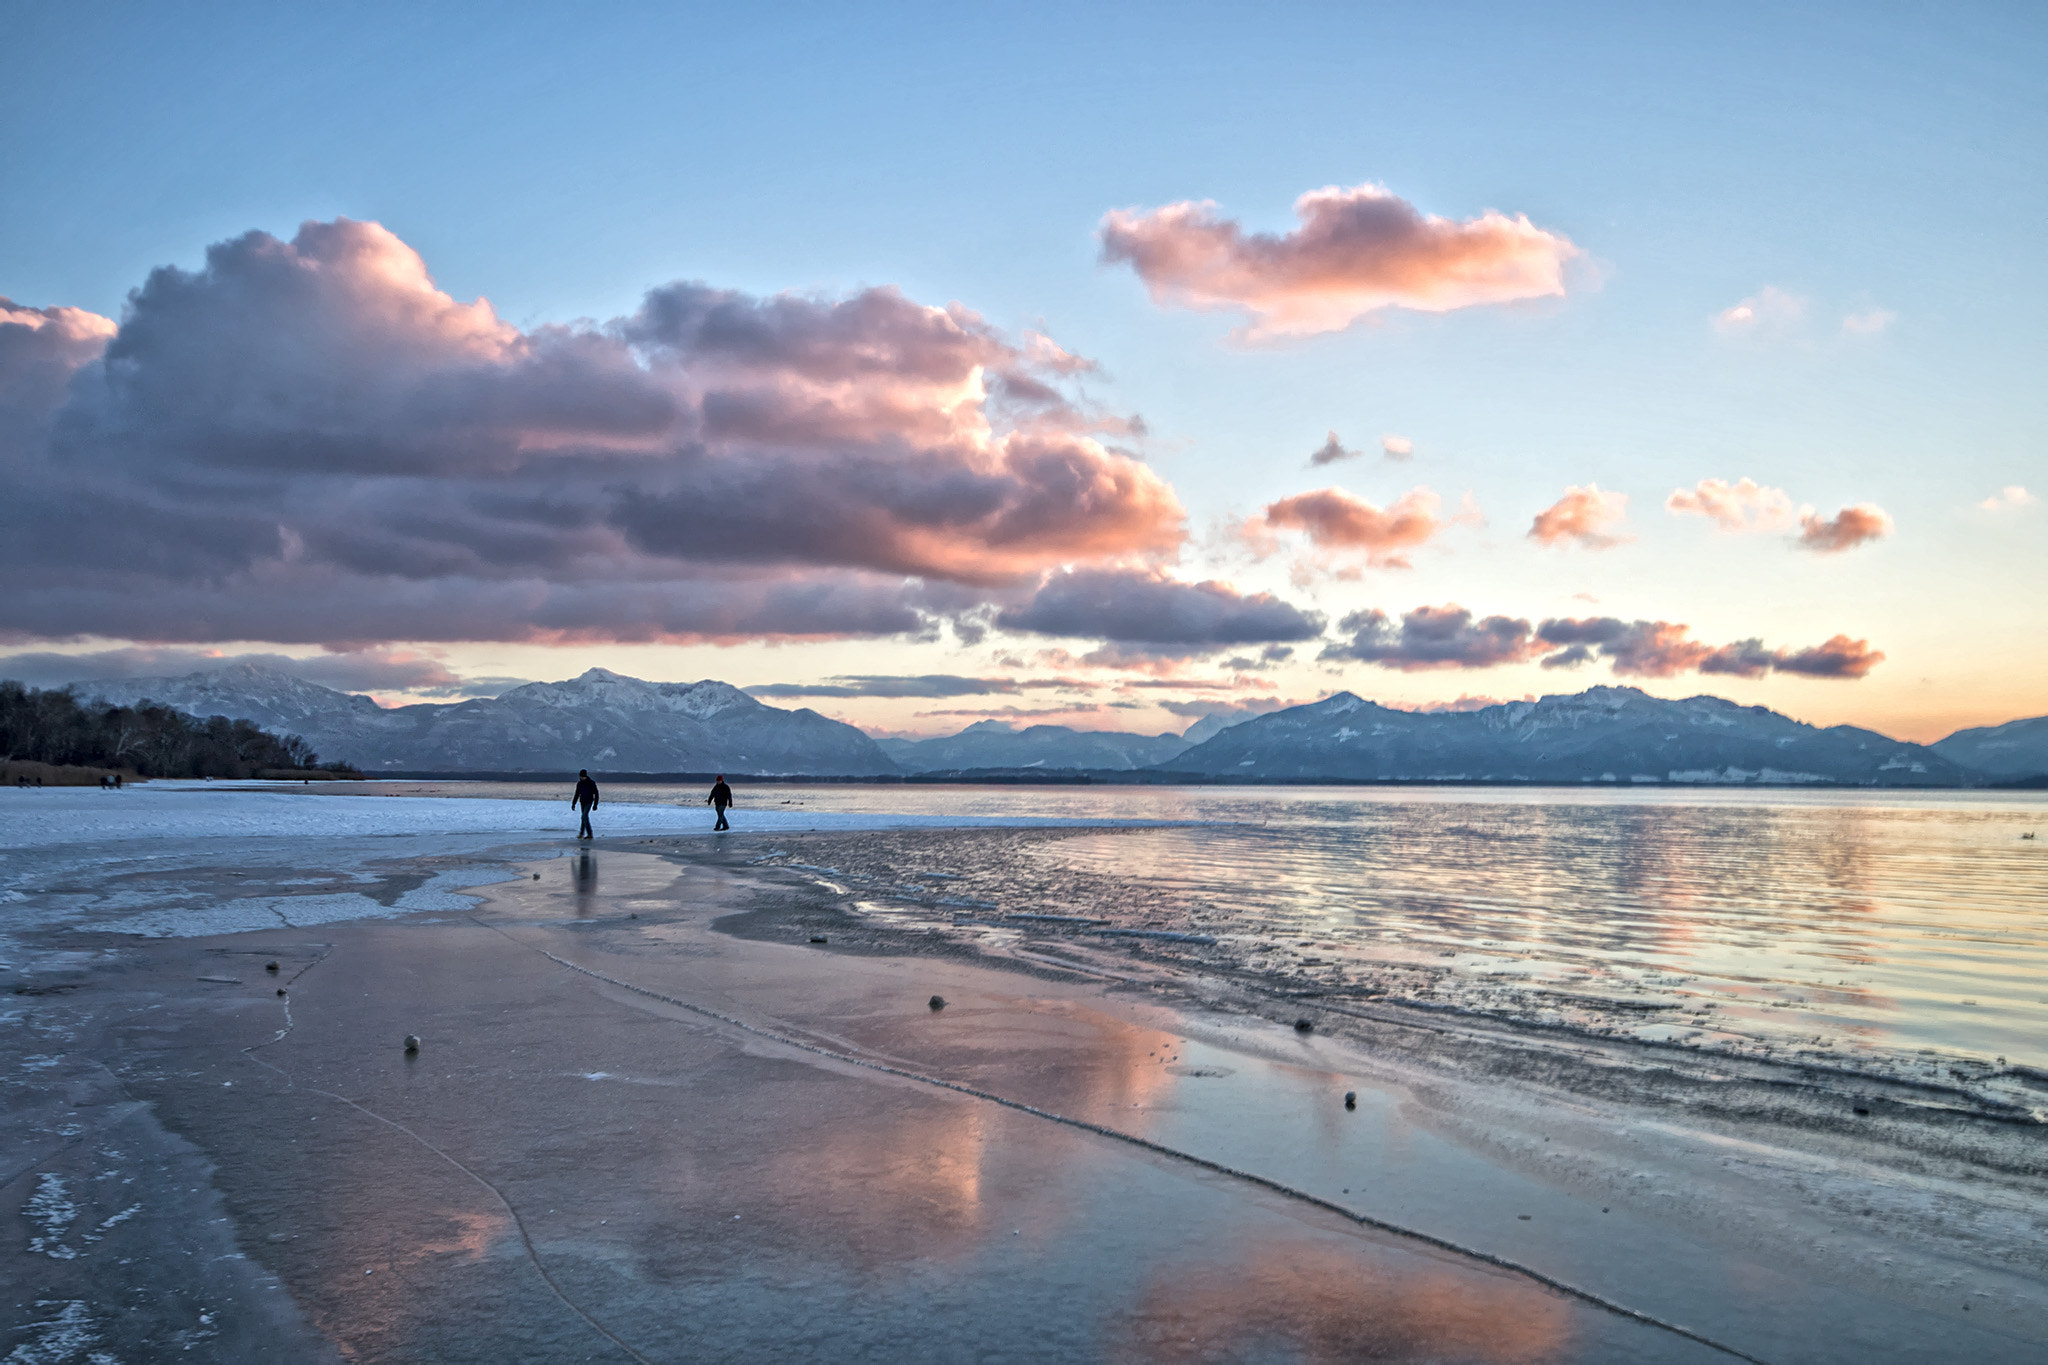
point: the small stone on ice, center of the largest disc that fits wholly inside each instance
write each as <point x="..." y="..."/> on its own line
<point x="1304" y="1026"/>
<point x="938" y="1002"/>
<point x="270" y="966"/>
<point x="412" y="1043"/>
<point x="817" y="938"/>
<point x="1351" y="1099"/>
<point x="280" y="990"/>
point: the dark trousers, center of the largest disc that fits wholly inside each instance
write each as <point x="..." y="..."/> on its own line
<point x="721" y="819"/>
<point x="585" y="833"/>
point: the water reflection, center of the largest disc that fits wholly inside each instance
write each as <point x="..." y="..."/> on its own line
<point x="583" y="876"/>
<point x="1829" y="926"/>
<point x="1316" y="1301"/>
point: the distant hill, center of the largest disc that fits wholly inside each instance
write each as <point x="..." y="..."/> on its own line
<point x="2018" y="748"/>
<point x="993" y="744"/>
<point x="600" y="720"/>
<point x="1605" y="734"/>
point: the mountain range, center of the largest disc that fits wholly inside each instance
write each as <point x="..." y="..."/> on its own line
<point x="610" y="722"/>
<point x="1604" y="734"/>
<point x="600" y="720"/>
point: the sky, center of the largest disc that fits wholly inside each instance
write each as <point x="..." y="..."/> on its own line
<point x="1101" y="365"/>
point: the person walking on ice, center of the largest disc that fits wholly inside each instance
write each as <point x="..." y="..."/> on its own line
<point x="585" y="797"/>
<point x="720" y="798"/>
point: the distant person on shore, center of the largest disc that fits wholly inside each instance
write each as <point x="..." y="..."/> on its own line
<point x="585" y="798"/>
<point x="720" y="798"/>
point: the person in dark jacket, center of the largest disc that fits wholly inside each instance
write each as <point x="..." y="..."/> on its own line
<point x="720" y="798"/>
<point x="585" y="797"/>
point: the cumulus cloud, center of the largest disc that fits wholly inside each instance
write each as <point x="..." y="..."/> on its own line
<point x="2007" y="499"/>
<point x="1845" y="530"/>
<point x="1334" y="520"/>
<point x="1356" y="251"/>
<point x="1585" y="516"/>
<point x="309" y="441"/>
<point x="1770" y="309"/>
<point x="1331" y="451"/>
<point x="1148" y="613"/>
<point x="1744" y="505"/>
<point x="1869" y="321"/>
<point x="40" y="349"/>
<point x="1397" y="447"/>
<point x="1451" y="637"/>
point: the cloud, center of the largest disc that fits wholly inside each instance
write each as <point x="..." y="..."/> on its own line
<point x="1744" y="505"/>
<point x="2007" y="499"/>
<point x="1840" y="657"/>
<point x="40" y="349"/>
<point x="308" y="441"/>
<point x="1147" y="613"/>
<point x="366" y="670"/>
<point x="1331" y="451"/>
<point x="1583" y="515"/>
<point x="1356" y="251"/>
<point x="1397" y="447"/>
<point x="1661" y="649"/>
<point x="1335" y="520"/>
<point x="1432" y="637"/>
<point x="1770" y="309"/>
<point x="1644" y="649"/>
<point x="1451" y="637"/>
<point x="1869" y="321"/>
<point x="1845" y="530"/>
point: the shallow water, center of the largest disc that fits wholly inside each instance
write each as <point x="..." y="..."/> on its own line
<point x="1908" y="927"/>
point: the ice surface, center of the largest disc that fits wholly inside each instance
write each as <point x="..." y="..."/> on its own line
<point x="42" y="817"/>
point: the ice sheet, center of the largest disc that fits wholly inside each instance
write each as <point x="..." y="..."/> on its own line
<point x="42" y="817"/>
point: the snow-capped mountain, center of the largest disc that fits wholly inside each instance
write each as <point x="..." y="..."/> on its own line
<point x="994" y="744"/>
<point x="1604" y="734"/>
<point x="601" y="720"/>
<point x="2018" y="748"/>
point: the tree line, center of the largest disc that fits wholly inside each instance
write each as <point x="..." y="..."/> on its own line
<point x="53" y="726"/>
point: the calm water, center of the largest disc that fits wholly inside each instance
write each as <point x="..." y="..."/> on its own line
<point x="1867" y="927"/>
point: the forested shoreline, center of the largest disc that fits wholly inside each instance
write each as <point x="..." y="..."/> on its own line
<point x="53" y="726"/>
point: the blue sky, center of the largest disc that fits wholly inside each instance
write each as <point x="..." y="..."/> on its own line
<point x="1883" y="163"/>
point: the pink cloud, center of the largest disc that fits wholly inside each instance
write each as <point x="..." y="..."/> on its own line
<point x="1335" y="520"/>
<point x="1356" y="251"/>
<point x="1585" y="515"/>
<point x="1744" y="505"/>
<point x="1845" y="530"/>
<point x="2007" y="499"/>
<point x="310" y="441"/>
